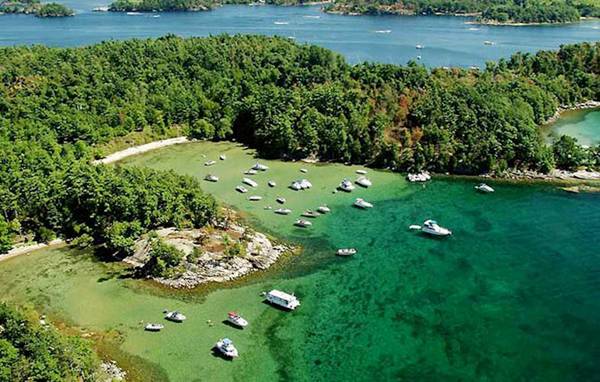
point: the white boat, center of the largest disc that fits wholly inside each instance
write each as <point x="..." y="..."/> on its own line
<point x="272" y="183"/>
<point x="489" y="43"/>
<point x="260" y="167"/>
<point x="280" y="200"/>
<point x="419" y="177"/>
<point x="323" y="209"/>
<point x="418" y="46"/>
<point x="175" y="316"/>
<point x="285" y="300"/>
<point x="296" y="186"/>
<point x="255" y="198"/>
<point x="302" y="184"/>
<point x="361" y="203"/>
<point x="363" y="181"/>
<point x="431" y="227"/>
<point x="133" y="13"/>
<point x="154" y="327"/>
<point x="303" y="170"/>
<point x="222" y="157"/>
<point x="419" y="57"/>
<point x="302" y="223"/>
<point x="384" y="31"/>
<point x="225" y="346"/>
<point x="346" y="252"/>
<point x="249" y="182"/>
<point x="310" y="214"/>
<point x="283" y="211"/>
<point x="361" y="172"/>
<point x="251" y="172"/>
<point x="346" y="185"/>
<point x="281" y="22"/>
<point x="211" y="178"/>
<point x="236" y="319"/>
<point x="241" y="189"/>
<point x="209" y="163"/>
<point x="484" y="188"/>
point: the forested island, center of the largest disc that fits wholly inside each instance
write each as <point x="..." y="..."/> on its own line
<point x="286" y="100"/>
<point x="36" y="8"/>
<point x="161" y="5"/>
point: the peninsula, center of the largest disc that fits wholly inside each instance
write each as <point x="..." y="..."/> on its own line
<point x="35" y="7"/>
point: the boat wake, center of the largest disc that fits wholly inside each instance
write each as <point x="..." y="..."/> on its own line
<point x="384" y="31"/>
<point x="281" y="22"/>
<point x="474" y="29"/>
<point x="312" y="17"/>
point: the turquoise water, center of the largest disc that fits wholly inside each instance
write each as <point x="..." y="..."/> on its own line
<point x="448" y="41"/>
<point x="583" y="125"/>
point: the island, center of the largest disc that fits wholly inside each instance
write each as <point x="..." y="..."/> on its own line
<point x="161" y="6"/>
<point x="36" y="8"/>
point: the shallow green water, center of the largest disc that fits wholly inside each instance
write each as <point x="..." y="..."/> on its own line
<point x="513" y="295"/>
<point x="583" y="125"/>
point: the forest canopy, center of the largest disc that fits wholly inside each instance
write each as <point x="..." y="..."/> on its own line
<point x="58" y="105"/>
<point x="36" y="8"/>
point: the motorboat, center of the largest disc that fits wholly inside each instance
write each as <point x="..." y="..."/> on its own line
<point x="489" y="43"/>
<point x="346" y="252"/>
<point x="302" y="223"/>
<point x="363" y="181"/>
<point x="283" y="211"/>
<point x="419" y="177"/>
<point x="222" y="157"/>
<point x="241" y="189"/>
<point x="225" y="346"/>
<point x="419" y="46"/>
<point x="211" y="178"/>
<point x="280" y="200"/>
<point x="154" y="327"/>
<point x="303" y="170"/>
<point x="209" y="163"/>
<point x="249" y="182"/>
<point x="296" y="186"/>
<point x="236" y="320"/>
<point x="282" y="299"/>
<point x="250" y="172"/>
<point x="175" y="316"/>
<point x="272" y="183"/>
<point x="260" y="167"/>
<point x="323" y="209"/>
<point x="255" y="198"/>
<point x="431" y="227"/>
<point x="361" y="172"/>
<point x="302" y="184"/>
<point x="361" y="203"/>
<point x="346" y="185"/>
<point x="310" y="214"/>
<point x="484" y="188"/>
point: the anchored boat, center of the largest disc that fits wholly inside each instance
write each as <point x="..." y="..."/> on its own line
<point x="431" y="227"/>
<point x="249" y="182"/>
<point x="241" y="189"/>
<point x="236" y="320"/>
<point x="175" y="316"/>
<point x="154" y="327"/>
<point x="361" y="203"/>
<point x="211" y="178"/>
<point x="364" y="181"/>
<point x="323" y="209"/>
<point x="346" y="185"/>
<point x="209" y="163"/>
<point x="310" y="214"/>
<point x="255" y="198"/>
<point x="225" y="346"/>
<point x="282" y="299"/>
<point x="302" y="223"/>
<point x="484" y="188"/>
<point x="222" y="157"/>
<point x="280" y="200"/>
<point x="272" y="183"/>
<point x="260" y="167"/>
<point x="346" y="252"/>
<point x="283" y="211"/>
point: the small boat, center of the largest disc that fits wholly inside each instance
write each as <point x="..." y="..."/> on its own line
<point x="363" y="181"/>
<point x="296" y="186"/>
<point x="418" y="46"/>
<point x="280" y="200"/>
<point x="225" y="346"/>
<point x="249" y="182"/>
<point x="302" y="184"/>
<point x="255" y="198"/>
<point x="236" y="319"/>
<point x="361" y="172"/>
<point x="303" y="170"/>
<point x="302" y="223"/>
<point x="281" y="22"/>
<point x="419" y="57"/>
<point x="272" y="183"/>
<point x="484" y="188"/>
<point x="346" y="252"/>
<point x="384" y="31"/>
<point x="209" y="163"/>
<point x="361" y="203"/>
<point x="346" y="185"/>
<point x="250" y="172"/>
<point x="175" y="316"/>
<point x="489" y="43"/>
<point x="473" y="67"/>
<point x="260" y="167"/>
<point x="222" y="157"/>
<point x="283" y="211"/>
<point x="211" y="178"/>
<point x="431" y="227"/>
<point x="323" y="209"/>
<point x="310" y="214"/>
<point x="133" y="13"/>
<point x="282" y="299"/>
<point x="155" y="16"/>
<point x="241" y="189"/>
<point x="154" y="327"/>
<point x="420" y="177"/>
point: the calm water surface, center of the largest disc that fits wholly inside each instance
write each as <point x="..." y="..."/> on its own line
<point x="447" y="41"/>
<point x="583" y="125"/>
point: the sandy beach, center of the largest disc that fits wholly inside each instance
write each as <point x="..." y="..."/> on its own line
<point x="117" y="156"/>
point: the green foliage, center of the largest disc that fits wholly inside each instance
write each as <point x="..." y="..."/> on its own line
<point x="234" y="249"/>
<point x="161" y="5"/>
<point x="29" y="352"/>
<point x="164" y="259"/>
<point x="54" y="10"/>
<point x="120" y="237"/>
<point x="35" y="7"/>
<point x="567" y="153"/>
<point x="6" y="235"/>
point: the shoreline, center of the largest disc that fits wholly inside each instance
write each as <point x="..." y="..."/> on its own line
<point x="28" y="248"/>
<point x="566" y="108"/>
<point x="135" y="150"/>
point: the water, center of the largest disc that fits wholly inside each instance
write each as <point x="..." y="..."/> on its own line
<point x="447" y="41"/>
<point x="514" y="294"/>
<point x="583" y="125"/>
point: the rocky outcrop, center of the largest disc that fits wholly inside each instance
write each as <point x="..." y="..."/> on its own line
<point x="578" y="106"/>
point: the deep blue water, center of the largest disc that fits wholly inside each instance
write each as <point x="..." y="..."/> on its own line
<point x="447" y="41"/>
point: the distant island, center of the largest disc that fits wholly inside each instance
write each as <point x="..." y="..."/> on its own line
<point x="35" y="7"/>
<point x="162" y="5"/>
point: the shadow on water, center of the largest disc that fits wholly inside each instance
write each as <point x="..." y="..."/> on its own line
<point x="231" y="325"/>
<point x="217" y="354"/>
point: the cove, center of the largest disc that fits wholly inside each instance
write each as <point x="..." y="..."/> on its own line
<point x="582" y="124"/>
<point x="447" y="41"/>
<point x="512" y="295"/>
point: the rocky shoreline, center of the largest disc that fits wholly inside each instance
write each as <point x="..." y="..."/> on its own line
<point x="578" y="106"/>
<point x="553" y="176"/>
<point x="211" y="263"/>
